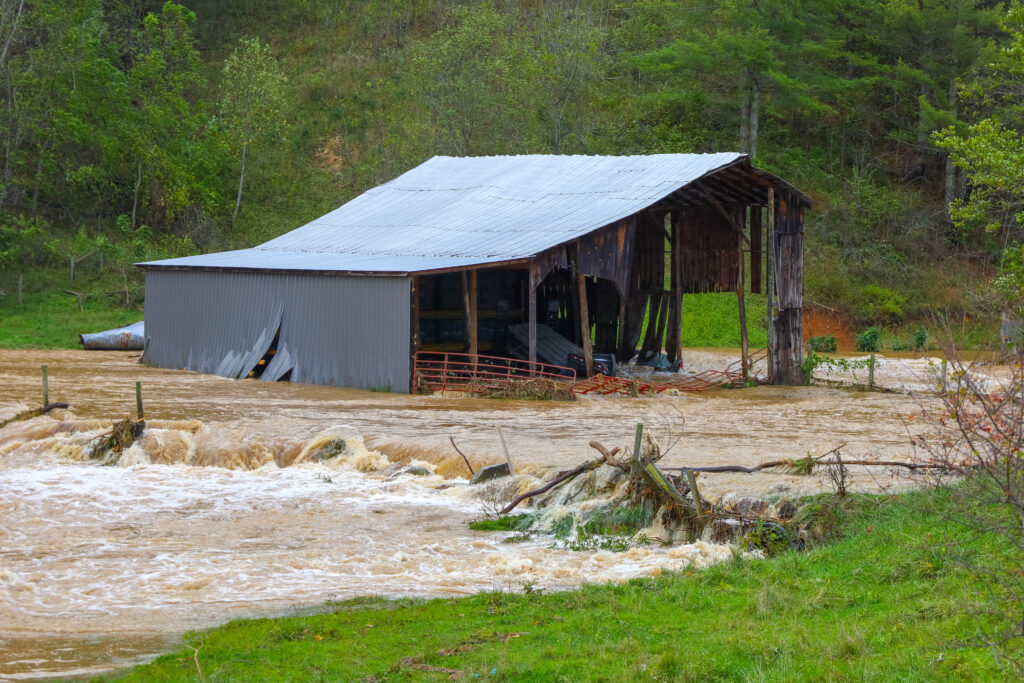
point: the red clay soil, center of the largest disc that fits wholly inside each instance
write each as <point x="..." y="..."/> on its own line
<point x="818" y="321"/>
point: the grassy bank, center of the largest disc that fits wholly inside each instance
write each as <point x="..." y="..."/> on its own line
<point x="55" y="309"/>
<point x="887" y="601"/>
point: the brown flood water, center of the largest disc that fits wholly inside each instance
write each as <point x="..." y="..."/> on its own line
<point x="217" y="514"/>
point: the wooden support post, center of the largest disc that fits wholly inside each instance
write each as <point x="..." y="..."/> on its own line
<point x="469" y="288"/>
<point x="504" y="446"/>
<point x="532" y="313"/>
<point x="871" y="372"/>
<point x="638" y="442"/>
<point x="756" y="249"/>
<point x="588" y="346"/>
<point x="46" y="386"/>
<point x="138" y="399"/>
<point x="691" y="479"/>
<point x="769" y="281"/>
<point x="414" y="327"/>
<point x="744" y="340"/>
<point x="674" y="338"/>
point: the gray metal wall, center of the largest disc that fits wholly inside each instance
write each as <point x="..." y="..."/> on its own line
<point x="341" y="330"/>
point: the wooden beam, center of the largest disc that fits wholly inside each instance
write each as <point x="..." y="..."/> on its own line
<point x="755" y="249"/>
<point x="414" y="326"/>
<point x="674" y="339"/>
<point x="744" y="340"/>
<point x="469" y="304"/>
<point x="532" y="316"/>
<point x="721" y="210"/>
<point x="769" y="281"/>
<point x="588" y="347"/>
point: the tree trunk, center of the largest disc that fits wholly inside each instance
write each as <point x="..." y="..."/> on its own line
<point x="755" y="113"/>
<point x="750" y="115"/>
<point x="920" y="167"/>
<point x="952" y="187"/>
<point x="39" y="179"/>
<point x="135" y="198"/>
<point x="241" y="181"/>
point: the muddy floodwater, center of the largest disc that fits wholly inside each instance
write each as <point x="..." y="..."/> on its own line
<point x="219" y="511"/>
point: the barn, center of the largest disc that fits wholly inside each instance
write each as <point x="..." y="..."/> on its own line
<point x="478" y="254"/>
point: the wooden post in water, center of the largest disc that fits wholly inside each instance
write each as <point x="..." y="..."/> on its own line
<point x="508" y="456"/>
<point x="638" y="443"/>
<point x="871" y="372"/>
<point x="138" y="399"/>
<point x="588" y="345"/>
<point x="532" y="318"/>
<point x="744" y="340"/>
<point x="46" y="386"/>
<point x="469" y="303"/>
<point x="769" y="281"/>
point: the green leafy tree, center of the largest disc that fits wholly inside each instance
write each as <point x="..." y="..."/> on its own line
<point x="254" y="89"/>
<point x="129" y="245"/>
<point x="170" y="142"/>
<point x="470" y="77"/>
<point x="991" y="151"/>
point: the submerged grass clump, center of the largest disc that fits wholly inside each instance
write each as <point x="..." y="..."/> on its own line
<point x="507" y="523"/>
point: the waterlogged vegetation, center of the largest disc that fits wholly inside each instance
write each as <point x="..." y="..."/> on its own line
<point x="890" y="597"/>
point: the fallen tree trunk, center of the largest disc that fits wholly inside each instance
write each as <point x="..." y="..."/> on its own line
<point x="29" y="414"/>
<point x="585" y="467"/>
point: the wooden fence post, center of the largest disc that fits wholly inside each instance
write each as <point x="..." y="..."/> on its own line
<point x="46" y="386"/>
<point x="138" y="399"/>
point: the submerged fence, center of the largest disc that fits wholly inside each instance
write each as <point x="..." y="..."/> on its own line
<point x="469" y="373"/>
<point x="464" y="372"/>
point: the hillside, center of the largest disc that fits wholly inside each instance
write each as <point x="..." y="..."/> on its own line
<point x="146" y="110"/>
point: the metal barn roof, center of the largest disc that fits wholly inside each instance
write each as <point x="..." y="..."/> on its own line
<point x="454" y="212"/>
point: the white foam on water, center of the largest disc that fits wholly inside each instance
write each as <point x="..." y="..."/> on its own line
<point x="158" y="544"/>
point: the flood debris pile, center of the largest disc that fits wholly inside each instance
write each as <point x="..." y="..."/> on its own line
<point x="108" y="447"/>
<point x="623" y="499"/>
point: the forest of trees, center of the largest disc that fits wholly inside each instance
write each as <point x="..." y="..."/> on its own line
<point x="136" y="127"/>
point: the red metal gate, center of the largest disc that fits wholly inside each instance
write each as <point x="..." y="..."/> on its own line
<point x="440" y="371"/>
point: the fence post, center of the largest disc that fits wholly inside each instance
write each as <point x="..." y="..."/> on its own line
<point x="871" y="372"/>
<point x="639" y="441"/>
<point x="138" y="398"/>
<point x="46" y="386"/>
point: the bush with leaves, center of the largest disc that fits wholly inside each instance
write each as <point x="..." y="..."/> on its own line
<point x="870" y="340"/>
<point x="130" y="245"/>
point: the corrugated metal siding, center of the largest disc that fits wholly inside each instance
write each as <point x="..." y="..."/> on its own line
<point x="452" y="212"/>
<point x="338" y="330"/>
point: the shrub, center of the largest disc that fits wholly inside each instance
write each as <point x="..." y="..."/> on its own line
<point x="919" y="338"/>
<point x="869" y="340"/>
<point x="875" y="302"/>
<point x="823" y="343"/>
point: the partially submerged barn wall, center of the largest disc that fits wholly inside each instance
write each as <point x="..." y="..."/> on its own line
<point x="337" y="330"/>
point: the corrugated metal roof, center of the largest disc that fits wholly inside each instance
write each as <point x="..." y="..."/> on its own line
<point x="453" y="212"/>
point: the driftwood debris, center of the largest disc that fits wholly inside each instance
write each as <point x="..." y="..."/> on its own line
<point x="34" y="412"/>
<point x="640" y="468"/>
<point x="464" y="458"/>
<point x="807" y="464"/>
<point x="121" y="436"/>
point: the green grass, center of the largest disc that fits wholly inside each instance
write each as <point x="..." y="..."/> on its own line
<point x="889" y="601"/>
<point x="50" y="318"/>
